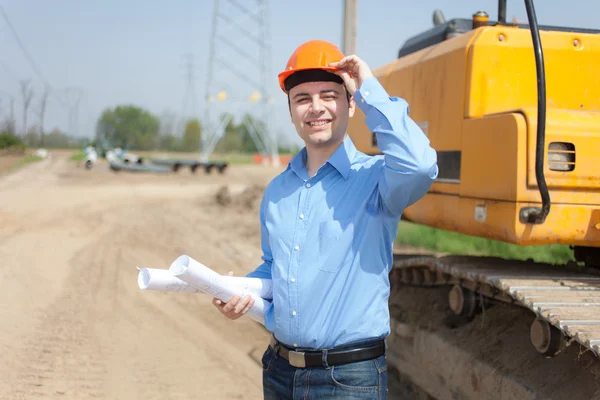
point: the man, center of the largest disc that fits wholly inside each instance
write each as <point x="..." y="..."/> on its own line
<point x="328" y="223"/>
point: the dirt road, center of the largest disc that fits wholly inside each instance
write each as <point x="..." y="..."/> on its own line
<point x="75" y="325"/>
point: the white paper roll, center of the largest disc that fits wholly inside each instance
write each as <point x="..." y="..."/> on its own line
<point x="200" y="276"/>
<point x="162" y="279"/>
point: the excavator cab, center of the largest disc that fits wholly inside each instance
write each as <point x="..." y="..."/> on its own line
<point x="513" y="111"/>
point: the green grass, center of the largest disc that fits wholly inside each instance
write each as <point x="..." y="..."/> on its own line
<point x="455" y="243"/>
<point x="25" y="160"/>
<point x="232" y="158"/>
<point x="77" y="156"/>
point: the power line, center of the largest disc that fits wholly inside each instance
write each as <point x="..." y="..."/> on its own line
<point x="22" y="47"/>
<point x="30" y="59"/>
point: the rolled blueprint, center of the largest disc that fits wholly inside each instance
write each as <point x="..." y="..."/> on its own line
<point x="260" y="287"/>
<point x="197" y="274"/>
<point x="162" y="279"/>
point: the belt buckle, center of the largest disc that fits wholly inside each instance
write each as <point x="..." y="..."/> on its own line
<point x="296" y="359"/>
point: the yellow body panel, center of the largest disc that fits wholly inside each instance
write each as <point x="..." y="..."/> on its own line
<point x="502" y="76"/>
<point x="499" y="220"/>
<point x="582" y="129"/>
<point x="475" y="96"/>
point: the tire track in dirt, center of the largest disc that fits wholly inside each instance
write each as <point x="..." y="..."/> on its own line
<point x="78" y="346"/>
<point x="181" y="342"/>
<point x="62" y="357"/>
<point x="79" y="327"/>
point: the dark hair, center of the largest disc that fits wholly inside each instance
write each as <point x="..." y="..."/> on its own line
<point x="313" y="75"/>
<point x="310" y="75"/>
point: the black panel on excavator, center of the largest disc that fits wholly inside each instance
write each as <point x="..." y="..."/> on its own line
<point x="457" y="26"/>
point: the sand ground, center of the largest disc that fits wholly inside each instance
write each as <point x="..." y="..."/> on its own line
<point x="75" y="325"/>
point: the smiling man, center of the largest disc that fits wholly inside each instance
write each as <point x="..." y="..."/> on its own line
<point x="328" y="226"/>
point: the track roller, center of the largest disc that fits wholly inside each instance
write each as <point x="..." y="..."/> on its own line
<point x="462" y="302"/>
<point x="547" y="339"/>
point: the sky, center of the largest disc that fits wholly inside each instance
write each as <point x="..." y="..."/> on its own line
<point x="120" y="52"/>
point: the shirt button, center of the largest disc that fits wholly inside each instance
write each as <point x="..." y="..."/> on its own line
<point x="295" y="345"/>
<point x="366" y="93"/>
<point x="308" y="184"/>
<point x="293" y="280"/>
<point x="301" y="216"/>
<point x="294" y="313"/>
<point x="362" y="100"/>
<point x="297" y="248"/>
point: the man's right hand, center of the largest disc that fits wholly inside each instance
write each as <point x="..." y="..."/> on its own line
<point x="235" y="307"/>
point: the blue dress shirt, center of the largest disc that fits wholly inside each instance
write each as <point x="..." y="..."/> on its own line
<point x="327" y="240"/>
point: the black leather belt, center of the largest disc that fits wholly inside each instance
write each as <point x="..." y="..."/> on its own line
<point x="316" y="358"/>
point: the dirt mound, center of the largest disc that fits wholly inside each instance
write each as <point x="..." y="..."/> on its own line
<point x="248" y="199"/>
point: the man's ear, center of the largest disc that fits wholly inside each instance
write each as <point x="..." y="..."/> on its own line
<point x="351" y="106"/>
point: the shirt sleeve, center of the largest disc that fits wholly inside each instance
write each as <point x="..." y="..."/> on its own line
<point x="264" y="270"/>
<point x="410" y="164"/>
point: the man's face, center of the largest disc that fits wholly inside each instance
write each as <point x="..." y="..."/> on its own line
<point x="320" y="112"/>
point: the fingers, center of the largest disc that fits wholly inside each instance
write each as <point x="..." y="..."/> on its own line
<point x="231" y="304"/>
<point x="357" y="68"/>
<point x="243" y="304"/>
<point x="346" y="77"/>
<point x="248" y="307"/>
<point x="346" y="61"/>
<point x="349" y="63"/>
<point x="235" y="307"/>
<point x="349" y="81"/>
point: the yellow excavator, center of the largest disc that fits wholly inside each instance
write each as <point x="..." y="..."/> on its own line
<point x="513" y="111"/>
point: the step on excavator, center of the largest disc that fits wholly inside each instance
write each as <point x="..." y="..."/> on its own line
<point x="513" y="111"/>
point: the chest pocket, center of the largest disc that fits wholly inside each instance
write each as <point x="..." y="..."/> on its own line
<point x="335" y="244"/>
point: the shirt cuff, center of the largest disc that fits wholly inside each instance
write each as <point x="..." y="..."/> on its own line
<point x="371" y="92"/>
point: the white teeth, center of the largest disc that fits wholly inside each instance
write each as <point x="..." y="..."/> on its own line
<point x="317" y="123"/>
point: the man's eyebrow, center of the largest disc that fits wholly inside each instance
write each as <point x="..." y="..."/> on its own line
<point x="321" y="92"/>
<point x="300" y="94"/>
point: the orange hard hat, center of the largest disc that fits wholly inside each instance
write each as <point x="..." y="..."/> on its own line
<point x="314" y="54"/>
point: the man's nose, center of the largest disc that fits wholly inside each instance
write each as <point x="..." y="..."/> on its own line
<point x="317" y="105"/>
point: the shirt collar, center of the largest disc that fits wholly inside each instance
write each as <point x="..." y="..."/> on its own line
<point x="341" y="159"/>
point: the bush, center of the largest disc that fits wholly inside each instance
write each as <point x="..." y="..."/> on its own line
<point x="7" y="140"/>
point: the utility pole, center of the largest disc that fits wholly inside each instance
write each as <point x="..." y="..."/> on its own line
<point x="190" y="103"/>
<point x="73" y="98"/>
<point x="349" y="29"/>
<point x="42" y="112"/>
<point x="27" y="94"/>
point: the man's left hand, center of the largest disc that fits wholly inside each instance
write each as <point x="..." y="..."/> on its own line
<point x="353" y="71"/>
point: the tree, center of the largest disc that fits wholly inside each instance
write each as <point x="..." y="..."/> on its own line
<point x="128" y="127"/>
<point x="191" y="135"/>
<point x="27" y="94"/>
<point x="169" y="142"/>
<point x="32" y="138"/>
<point x="231" y="139"/>
<point x="42" y="112"/>
<point x="8" y="125"/>
<point x="252" y="131"/>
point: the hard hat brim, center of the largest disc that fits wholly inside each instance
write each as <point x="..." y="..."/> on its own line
<point x="286" y="74"/>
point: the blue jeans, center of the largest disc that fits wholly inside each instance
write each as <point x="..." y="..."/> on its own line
<point x="358" y="380"/>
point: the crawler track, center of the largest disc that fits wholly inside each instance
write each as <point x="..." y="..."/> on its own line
<point x="565" y="300"/>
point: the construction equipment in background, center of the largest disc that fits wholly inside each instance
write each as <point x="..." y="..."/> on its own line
<point x="176" y="164"/>
<point x="516" y="127"/>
